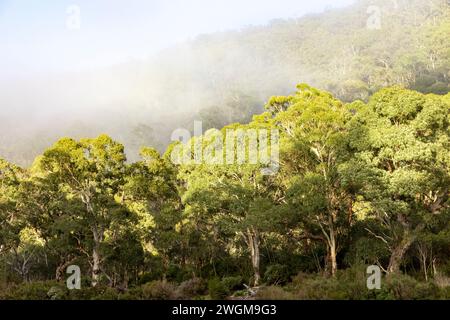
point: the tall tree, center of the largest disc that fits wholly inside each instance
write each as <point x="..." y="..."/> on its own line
<point x="230" y="190"/>
<point x="152" y="188"/>
<point x="91" y="170"/>
<point x="402" y="144"/>
<point x="312" y="149"/>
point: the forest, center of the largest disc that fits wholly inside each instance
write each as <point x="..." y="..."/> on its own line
<point x="227" y="77"/>
<point x="359" y="183"/>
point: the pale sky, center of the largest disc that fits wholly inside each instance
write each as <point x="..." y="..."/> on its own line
<point x="42" y="36"/>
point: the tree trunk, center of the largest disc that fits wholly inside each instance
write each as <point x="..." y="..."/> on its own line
<point x="425" y="270"/>
<point x="423" y="257"/>
<point x="61" y="269"/>
<point x="434" y="268"/>
<point x="125" y="280"/>
<point x="253" y="242"/>
<point x="333" y="257"/>
<point x="331" y="238"/>
<point x="98" y="238"/>
<point x="398" y="253"/>
<point x="96" y="259"/>
<point x="409" y="237"/>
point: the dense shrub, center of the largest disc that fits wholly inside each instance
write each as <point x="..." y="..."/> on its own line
<point x="445" y="293"/>
<point x="147" y="277"/>
<point x="192" y="288"/>
<point x="159" y="290"/>
<point x="233" y="283"/>
<point x="132" y="294"/>
<point x="90" y="293"/>
<point x="177" y="274"/>
<point x="58" y="293"/>
<point x="403" y="287"/>
<point x="33" y="291"/>
<point x="276" y="274"/>
<point x="107" y="294"/>
<point x="217" y="289"/>
<point x="274" y="293"/>
<point x="349" y="284"/>
<point x="442" y="281"/>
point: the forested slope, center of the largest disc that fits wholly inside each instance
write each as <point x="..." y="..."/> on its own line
<point x="226" y="77"/>
<point x="357" y="184"/>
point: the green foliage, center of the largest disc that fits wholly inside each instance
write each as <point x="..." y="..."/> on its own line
<point x="192" y="288"/>
<point x="276" y="274"/>
<point x="359" y="184"/>
<point x="274" y="293"/>
<point x="159" y="290"/>
<point x="36" y="291"/>
<point x="233" y="283"/>
<point x="217" y="289"/>
<point x="350" y="285"/>
<point x="403" y="287"/>
<point x="229" y="75"/>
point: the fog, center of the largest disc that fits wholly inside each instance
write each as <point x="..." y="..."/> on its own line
<point x="49" y="89"/>
<point x="138" y="103"/>
<point x="143" y="98"/>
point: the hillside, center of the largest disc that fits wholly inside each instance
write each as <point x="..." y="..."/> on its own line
<point x="357" y="185"/>
<point x="226" y="77"/>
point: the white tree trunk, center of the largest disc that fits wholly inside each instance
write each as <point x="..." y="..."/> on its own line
<point x="254" y="243"/>
<point x="96" y="258"/>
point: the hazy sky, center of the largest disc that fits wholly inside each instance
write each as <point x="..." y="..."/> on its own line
<point x="43" y="36"/>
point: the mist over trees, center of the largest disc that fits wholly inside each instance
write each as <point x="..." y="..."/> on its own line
<point x="358" y="184"/>
<point x="87" y="176"/>
<point x="226" y="77"/>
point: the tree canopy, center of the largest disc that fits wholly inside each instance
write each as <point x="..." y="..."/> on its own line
<point x="356" y="184"/>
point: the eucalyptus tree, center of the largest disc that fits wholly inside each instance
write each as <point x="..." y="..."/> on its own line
<point x="10" y="177"/>
<point x="11" y="221"/>
<point x="401" y="165"/>
<point x="151" y="190"/>
<point x="313" y="147"/>
<point x="91" y="171"/>
<point x="230" y="190"/>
